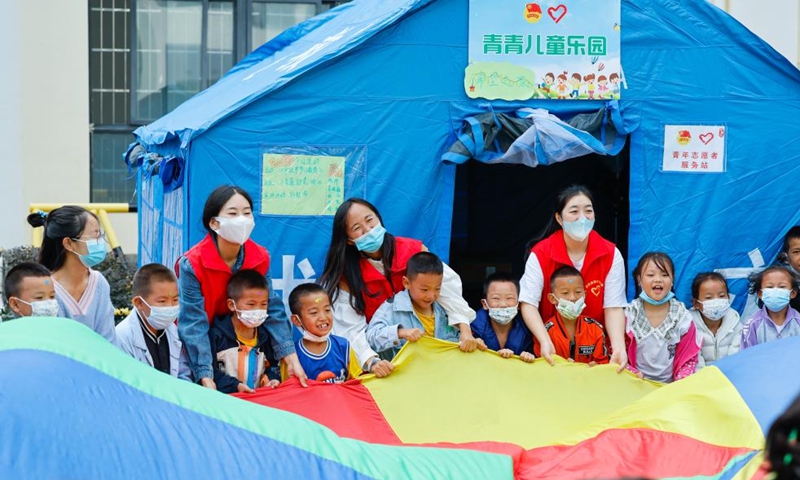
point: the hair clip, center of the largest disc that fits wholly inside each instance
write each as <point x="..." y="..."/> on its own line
<point x="41" y="213"/>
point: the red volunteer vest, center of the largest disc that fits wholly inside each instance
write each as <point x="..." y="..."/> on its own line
<point x="552" y="254"/>
<point x="378" y="285"/>
<point x="213" y="273"/>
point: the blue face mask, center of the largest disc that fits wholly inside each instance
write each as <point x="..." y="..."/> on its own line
<point x="371" y="241"/>
<point x="579" y="229"/>
<point x="646" y="298"/>
<point x="776" y="299"/>
<point x="97" y="252"/>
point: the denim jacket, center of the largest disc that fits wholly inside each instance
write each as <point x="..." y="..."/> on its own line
<point x="193" y="324"/>
<point x="397" y="313"/>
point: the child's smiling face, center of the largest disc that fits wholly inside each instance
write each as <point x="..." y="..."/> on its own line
<point x="316" y="314"/>
<point x="655" y="282"/>
<point x="424" y="289"/>
<point x="501" y="295"/>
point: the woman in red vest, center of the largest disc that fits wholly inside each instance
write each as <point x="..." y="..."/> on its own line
<point x="203" y="274"/>
<point x="364" y="267"/>
<point x="569" y="239"/>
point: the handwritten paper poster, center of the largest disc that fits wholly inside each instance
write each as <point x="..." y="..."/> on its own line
<point x="301" y="184"/>
<point x="694" y="148"/>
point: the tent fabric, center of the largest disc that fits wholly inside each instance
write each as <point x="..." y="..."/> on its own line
<point x="535" y="137"/>
<point x="287" y="38"/>
<point x="290" y="55"/>
<point x="387" y="77"/>
<point x="442" y="413"/>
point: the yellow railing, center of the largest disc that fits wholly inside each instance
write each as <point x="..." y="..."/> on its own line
<point x="100" y="209"/>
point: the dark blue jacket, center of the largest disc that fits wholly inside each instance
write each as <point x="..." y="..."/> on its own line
<point x="519" y="337"/>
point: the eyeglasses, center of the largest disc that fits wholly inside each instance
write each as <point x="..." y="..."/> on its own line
<point x="100" y="236"/>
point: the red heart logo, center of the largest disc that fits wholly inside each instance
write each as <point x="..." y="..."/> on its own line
<point x="557" y="13"/>
<point x="596" y="290"/>
<point x="706" y="137"/>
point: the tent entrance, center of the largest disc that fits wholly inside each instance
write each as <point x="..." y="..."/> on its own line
<point x="498" y="208"/>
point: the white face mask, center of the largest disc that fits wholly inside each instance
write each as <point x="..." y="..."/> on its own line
<point x="235" y="229"/>
<point x="571" y="310"/>
<point x="504" y="315"/>
<point x="716" y="308"/>
<point x="315" y="338"/>
<point x="161" y="317"/>
<point x="252" y="318"/>
<point x="42" y="308"/>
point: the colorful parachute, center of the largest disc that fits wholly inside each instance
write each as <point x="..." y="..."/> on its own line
<point x="73" y="406"/>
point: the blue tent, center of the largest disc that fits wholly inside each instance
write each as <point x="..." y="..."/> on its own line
<point x="381" y="83"/>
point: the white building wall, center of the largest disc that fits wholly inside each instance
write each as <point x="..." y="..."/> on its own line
<point x="776" y="21"/>
<point x="44" y="113"/>
<point x="11" y="154"/>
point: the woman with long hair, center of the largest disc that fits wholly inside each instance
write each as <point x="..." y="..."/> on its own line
<point x="570" y="239"/>
<point x="72" y="244"/>
<point x="364" y="267"/>
<point x="203" y="274"/>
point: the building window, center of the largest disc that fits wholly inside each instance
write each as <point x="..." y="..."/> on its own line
<point x="271" y="18"/>
<point x="167" y="66"/>
<point x="149" y="56"/>
<point x="109" y="98"/>
<point x="220" y="49"/>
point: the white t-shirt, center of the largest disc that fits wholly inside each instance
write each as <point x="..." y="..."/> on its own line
<point x="532" y="282"/>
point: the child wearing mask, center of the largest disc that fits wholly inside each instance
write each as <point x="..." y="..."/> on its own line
<point x="324" y="357"/>
<point x="149" y="333"/>
<point x="29" y="291"/>
<point x="664" y="345"/>
<point x="240" y="343"/>
<point x="575" y="337"/>
<point x="414" y="312"/>
<point x="499" y="323"/>
<point x="717" y="323"/>
<point x="72" y="245"/>
<point x="776" y="286"/>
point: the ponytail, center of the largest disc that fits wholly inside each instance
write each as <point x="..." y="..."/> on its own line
<point x="65" y="222"/>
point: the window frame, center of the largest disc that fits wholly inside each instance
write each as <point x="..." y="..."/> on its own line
<point x="241" y="46"/>
<point x="134" y="61"/>
<point x="99" y="127"/>
<point x="242" y="41"/>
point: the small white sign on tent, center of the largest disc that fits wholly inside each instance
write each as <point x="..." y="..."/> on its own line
<point x="694" y="149"/>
